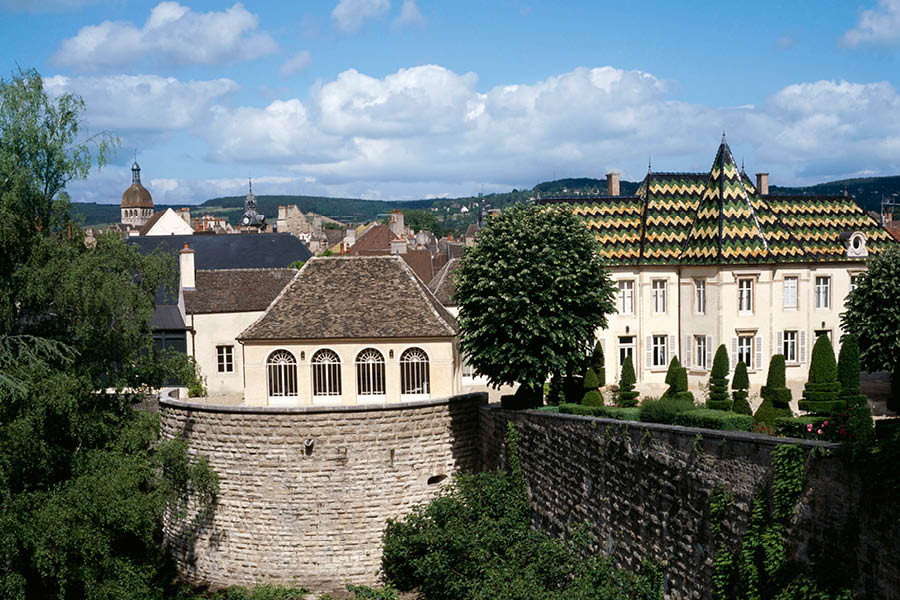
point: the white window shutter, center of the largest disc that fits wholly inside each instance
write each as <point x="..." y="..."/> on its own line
<point x="649" y="352"/>
<point x="734" y="356"/>
<point x="709" y="346"/>
<point x="673" y="347"/>
<point x="780" y="347"/>
<point x="802" y="351"/>
<point x="758" y="359"/>
<point x="687" y="352"/>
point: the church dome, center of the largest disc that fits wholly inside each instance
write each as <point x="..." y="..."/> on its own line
<point x="137" y="195"/>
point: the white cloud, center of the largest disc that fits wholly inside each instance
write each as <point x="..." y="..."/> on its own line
<point x="351" y="14"/>
<point x="409" y="15"/>
<point x="295" y="64"/>
<point x="172" y="32"/>
<point x="879" y="25"/>
<point x="142" y="102"/>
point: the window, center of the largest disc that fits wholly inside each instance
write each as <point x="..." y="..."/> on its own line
<point x="700" y="349"/>
<point x="326" y="374"/>
<point x="626" y="349"/>
<point x="789" y="346"/>
<point x="626" y="297"/>
<point x="281" y="368"/>
<point x="854" y="281"/>
<point x="370" y="374"/>
<point x="467" y="369"/>
<point x="414" y="379"/>
<point x="700" y="296"/>
<point x="659" y="351"/>
<point x="225" y="359"/>
<point x="825" y="332"/>
<point x="659" y="295"/>
<point x="790" y="292"/>
<point x="745" y="295"/>
<point x="745" y="350"/>
<point x="823" y="292"/>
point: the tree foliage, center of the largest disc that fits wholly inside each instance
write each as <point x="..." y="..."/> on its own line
<point x="531" y="294"/>
<point x="821" y="394"/>
<point x="740" y="384"/>
<point x="598" y="363"/>
<point x="421" y="220"/>
<point x="627" y="395"/>
<point x="718" y="381"/>
<point x="592" y="396"/>
<point x="84" y="480"/>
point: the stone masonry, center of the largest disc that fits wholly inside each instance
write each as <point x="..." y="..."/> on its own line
<point x="644" y="490"/>
<point x="305" y="492"/>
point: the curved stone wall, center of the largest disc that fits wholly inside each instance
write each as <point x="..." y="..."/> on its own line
<point x="305" y="491"/>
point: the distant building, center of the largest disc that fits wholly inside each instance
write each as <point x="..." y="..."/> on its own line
<point x="137" y="204"/>
<point x="251" y="220"/>
<point x="165" y="222"/>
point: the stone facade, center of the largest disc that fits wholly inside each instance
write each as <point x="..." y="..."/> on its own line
<point x="305" y="492"/>
<point x="644" y="489"/>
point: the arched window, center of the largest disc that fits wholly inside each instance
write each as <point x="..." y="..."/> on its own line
<point x="414" y="380"/>
<point x="281" y="368"/>
<point x="370" y="375"/>
<point x="326" y="374"/>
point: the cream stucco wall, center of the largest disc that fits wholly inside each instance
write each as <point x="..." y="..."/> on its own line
<point x="722" y="320"/>
<point x="443" y="358"/>
<point x="219" y="329"/>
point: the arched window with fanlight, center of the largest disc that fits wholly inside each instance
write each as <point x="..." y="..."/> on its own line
<point x="281" y="369"/>
<point x="326" y="375"/>
<point x="370" y="376"/>
<point x="415" y="383"/>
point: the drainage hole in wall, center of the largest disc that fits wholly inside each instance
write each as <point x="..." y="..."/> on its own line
<point x="435" y="479"/>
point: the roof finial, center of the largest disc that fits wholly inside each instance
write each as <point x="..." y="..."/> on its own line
<point x="250" y="184"/>
<point x="649" y="165"/>
<point x="723" y="136"/>
<point x="743" y="172"/>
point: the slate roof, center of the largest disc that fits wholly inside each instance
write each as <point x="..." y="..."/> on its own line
<point x="231" y="251"/>
<point x="443" y="286"/>
<point x="235" y="290"/>
<point x="353" y="297"/>
<point x="719" y="218"/>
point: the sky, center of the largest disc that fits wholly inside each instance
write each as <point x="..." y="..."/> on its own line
<point x="406" y="99"/>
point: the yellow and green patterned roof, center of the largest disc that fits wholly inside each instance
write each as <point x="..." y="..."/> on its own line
<point x="719" y="218"/>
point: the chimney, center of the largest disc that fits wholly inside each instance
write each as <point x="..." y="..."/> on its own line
<point x="186" y="215"/>
<point x="762" y="184"/>
<point x="186" y="266"/>
<point x="398" y="246"/>
<point x="612" y="183"/>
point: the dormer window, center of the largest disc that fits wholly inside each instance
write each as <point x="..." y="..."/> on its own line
<point x="855" y="243"/>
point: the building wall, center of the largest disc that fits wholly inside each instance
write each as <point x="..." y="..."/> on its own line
<point x="136" y="216"/>
<point x="170" y="223"/>
<point x="305" y="493"/>
<point x="220" y="329"/>
<point x="722" y="320"/>
<point x="644" y="491"/>
<point x="443" y="357"/>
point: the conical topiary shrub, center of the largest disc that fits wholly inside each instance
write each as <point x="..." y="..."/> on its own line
<point x="718" y="382"/>
<point x="740" y="383"/>
<point x="775" y="394"/>
<point x="679" y="387"/>
<point x="598" y="363"/>
<point x="848" y="372"/>
<point x="671" y="375"/>
<point x="592" y="397"/>
<point x="627" y="394"/>
<point x="821" y="395"/>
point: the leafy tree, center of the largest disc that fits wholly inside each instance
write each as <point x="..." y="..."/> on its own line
<point x="740" y="383"/>
<point x="718" y="381"/>
<point x="872" y="316"/>
<point x="421" y="220"/>
<point x="531" y="294"/>
<point x="627" y="394"/>
<point x="592" y="396"/>
<point x="821" y="394"/>
<point x="84" y="480"/>
<point x="598" y="363"/>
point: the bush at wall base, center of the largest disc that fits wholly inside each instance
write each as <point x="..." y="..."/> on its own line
<point x="714" y="419"/>
<point x="718" y="382"/>
<point x="821" y="395"/>
<point x="664" y="410"/>
<point x="605" y="412"/>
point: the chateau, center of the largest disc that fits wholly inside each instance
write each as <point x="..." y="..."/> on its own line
<point x="703" y="259"/>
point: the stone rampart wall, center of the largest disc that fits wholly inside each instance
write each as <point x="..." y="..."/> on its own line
<point x="644" y="490"/>
<point x="305" y="492"/>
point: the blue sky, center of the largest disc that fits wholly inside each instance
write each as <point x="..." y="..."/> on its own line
<point x="398" y="99"/>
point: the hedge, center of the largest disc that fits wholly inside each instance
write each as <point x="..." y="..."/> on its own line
<point x="664" y="410"/>
<point x="886" y="429"/>
<point x="606" y="412"/>
<point x="708" y="418"/>
<point x="798" y="427"/>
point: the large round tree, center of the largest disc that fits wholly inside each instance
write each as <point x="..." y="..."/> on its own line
<point x="531" y="294"/>
<point x="872" y="316"/>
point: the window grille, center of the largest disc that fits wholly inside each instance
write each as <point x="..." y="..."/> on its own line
<point x="326" y="373"/>
<point x="282" y="371"/>
<point x="370" y="373"/>
<point x="414" y="375"/>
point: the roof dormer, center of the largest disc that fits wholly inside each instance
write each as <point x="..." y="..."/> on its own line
<point x="855" y="243"/>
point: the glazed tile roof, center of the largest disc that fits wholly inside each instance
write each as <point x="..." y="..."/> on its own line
<point x="235" y="290"/>
<point x="353" y="297"/>
<point x="719" y="218"/>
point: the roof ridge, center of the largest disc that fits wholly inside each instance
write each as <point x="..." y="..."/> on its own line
<point x="427" y="295"/>
<point x="247" y="269"/>
<point x="284" y="290"/>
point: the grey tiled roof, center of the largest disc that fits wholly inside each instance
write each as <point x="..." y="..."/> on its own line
<point x="443" y="285"/>
<point x="354" y="297"/>
<point x="235" y="290"/>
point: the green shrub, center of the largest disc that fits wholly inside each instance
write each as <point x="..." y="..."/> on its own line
<point x="627" y="395"/>
<point x="592" y="396"/>
<point x="767" y="414"/>
<point x="598" y="363"/>
<point x="718" y="381"/>
<point x="549" y="408"/>
<point x="822" y="390"/>
<point x="525" y="398"/>
<point x="776" y="392"/>
<point x="848" y="372"/>
<point x="886" y="429"/>
<point x="554" y="389"/>
<point x="573" y="388"/>
<point x="664" y="410"/>
<point x="671" y="375"/>
<point x="364" y="592"/>
<point x="799" y="427"/>
<point x="714" y="419"/>
<point x="740" y="384"/>
<point x="606" y="412"/>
